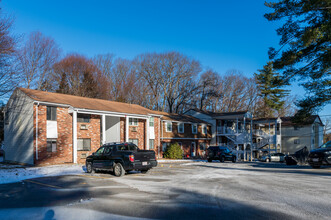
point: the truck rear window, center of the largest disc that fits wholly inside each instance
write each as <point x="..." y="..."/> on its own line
<point x="127" y="147"/>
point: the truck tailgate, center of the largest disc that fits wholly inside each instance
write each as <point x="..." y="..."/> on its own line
<point x="144" y="155"/>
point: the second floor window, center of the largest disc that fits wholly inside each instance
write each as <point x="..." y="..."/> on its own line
<point x="180" y="127"/>
<point x="151" y="122"/>
<point x="133" y="121"/>
<point x="204" y="129"/>
<point x="51" y="113"/>
<point x="297" y="141"/>
<point x="83" y="118"/>
<point x="168" y="127"/>
<point x="194" y="128"/>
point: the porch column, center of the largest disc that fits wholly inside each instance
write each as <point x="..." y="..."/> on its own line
<point x="269" y="138"/>
<point x="251" y="135"/>
<point x="74" y="135"/>
<point x="280" y="136"/>
<point x="237" y="126"/>
<point x="237" y="154"/>
<point x="275" y="137"/>
<point x="245" y="152"/>
<point x="147" y="134"/>
<point x="103" y="120"/>
<point x="126" y="129"/>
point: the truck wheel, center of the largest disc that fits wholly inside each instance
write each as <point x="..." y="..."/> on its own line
<point x="144" y="171"/>
<point x="315" y="166"/>
<point x="234" y="159"/>
<point x="89" y="167"/>
<point x="267" y="160"/>
<point x="119" y="170"/>
<point x="222" y="159"/>
<point x="210" y="160"/>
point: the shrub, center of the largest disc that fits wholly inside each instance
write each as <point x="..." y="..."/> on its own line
<point x="173" y="151"/>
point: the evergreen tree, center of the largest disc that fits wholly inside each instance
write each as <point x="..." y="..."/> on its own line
<point x="63" y="86"/>
<point x="305" y="48"/>
<point x="89" y="87"/>
<point x="270" y="84"/>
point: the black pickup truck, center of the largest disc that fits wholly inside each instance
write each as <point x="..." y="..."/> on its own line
<point x="120" y="158"/>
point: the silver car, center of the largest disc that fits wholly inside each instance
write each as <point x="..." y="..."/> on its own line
<point x="275" y="157"/>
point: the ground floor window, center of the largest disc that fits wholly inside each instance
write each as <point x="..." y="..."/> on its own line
<point x="84" y="144"/>
<point x="151" y="144"/>
<point x="296" y="141"/>
<point x="202" y="146"/>
<point x="134" y="141"/>
<point x="164" y="146"/>
<point x="51" y="145"/>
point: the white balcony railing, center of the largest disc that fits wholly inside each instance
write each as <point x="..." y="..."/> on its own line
<point x="228" y="130"/>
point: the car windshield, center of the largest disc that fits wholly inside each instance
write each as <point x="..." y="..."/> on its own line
<point x="326" y="145"/>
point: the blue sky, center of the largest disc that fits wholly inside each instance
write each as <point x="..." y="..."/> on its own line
<point x="222" y="35"/>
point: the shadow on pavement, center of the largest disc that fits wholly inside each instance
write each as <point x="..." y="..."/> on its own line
<point x="276" y="168"/>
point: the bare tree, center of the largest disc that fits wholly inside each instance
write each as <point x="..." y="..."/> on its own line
<point x="327" y="129"/>
<point x="77" y="75"/>
<point x="7" y="48"/>
<point x="208" y="90"/>
<point x="35" y="60"/>
<point x="171" y="78"/>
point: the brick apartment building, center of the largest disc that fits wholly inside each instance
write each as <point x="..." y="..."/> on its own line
<point x="192" y="134"/>
<point x="44" y="128"/>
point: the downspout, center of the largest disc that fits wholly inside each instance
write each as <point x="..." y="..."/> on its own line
<point x="37" y="130"/>
<point x="159" y="132"/>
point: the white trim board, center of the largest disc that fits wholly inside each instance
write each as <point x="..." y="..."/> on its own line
<point x="186" y="138"/>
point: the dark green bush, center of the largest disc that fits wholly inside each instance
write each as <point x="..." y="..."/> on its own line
<point x="173" y="151"/>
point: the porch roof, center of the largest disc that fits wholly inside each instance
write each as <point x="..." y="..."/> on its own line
<point x="179" y="117"/>
<point x="224" y="115"/>
<point x="86" y="103"/>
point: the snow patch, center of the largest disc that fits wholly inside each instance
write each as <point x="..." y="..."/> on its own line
<point x="58" y="213"/>
<point x="16" y="173"/>
<point x="179" y="161"/>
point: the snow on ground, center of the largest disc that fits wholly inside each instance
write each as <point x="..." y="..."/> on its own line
<point x="16" y="173"/>
<point x="179" y="161"/>
<point x="59" y="213"/>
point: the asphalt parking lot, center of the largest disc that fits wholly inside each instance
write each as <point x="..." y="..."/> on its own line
<point x="196" y="190"/>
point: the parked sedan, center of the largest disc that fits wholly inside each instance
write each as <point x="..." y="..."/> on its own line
<point x="320" y="156"/>
<point x="275" y="157"/>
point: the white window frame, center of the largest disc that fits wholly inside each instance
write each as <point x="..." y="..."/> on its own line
<point x="81" y="142"/>
<point x="203" y="129"/>
<point x="151" y="147"/>
<point x="151" y="122"/>
<point x="196" y="130"/>
<point x="53" y="143"/>
<point x="133" y="140"/>
<point x="133" y="121"/>
<point x="166" y="124"/>
<point x="179" y="125"/>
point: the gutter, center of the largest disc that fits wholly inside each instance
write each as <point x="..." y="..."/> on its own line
<point x="37" y="130"/>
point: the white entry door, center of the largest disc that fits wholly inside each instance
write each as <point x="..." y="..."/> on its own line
<point x="113" y="129"/>
<point x="193" y="149"/>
